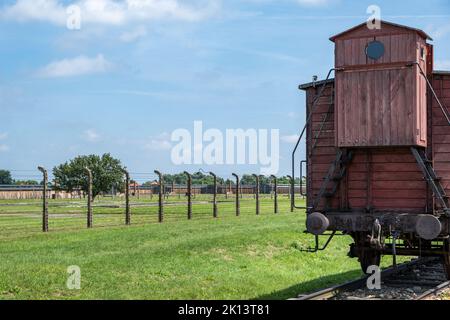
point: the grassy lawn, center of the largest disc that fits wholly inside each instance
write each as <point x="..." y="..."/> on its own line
<point x="250" y="257"/>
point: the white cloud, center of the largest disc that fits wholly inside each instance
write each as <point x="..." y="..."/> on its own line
<point x="37" y="10"/>
<point x="439" y="32"/>
<point x="4" y="147"/>
<point x="78" y="66"/>
<point x="442" y="65"/>
<point x="133" y="35"/>
<point x="109" y="12"/>
<point x="292" y="115"/>
<point x="158" y="143"/>
<point x="290" y="139"/>
<point x="313" y="3"/>
<point x="91" y="135"/>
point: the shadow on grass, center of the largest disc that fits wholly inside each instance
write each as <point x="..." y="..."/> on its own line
<point x="312" y="286"/>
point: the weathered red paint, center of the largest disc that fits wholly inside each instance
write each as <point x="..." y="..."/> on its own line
<point x="381" y="102"/>
<point x="394" y="180"/>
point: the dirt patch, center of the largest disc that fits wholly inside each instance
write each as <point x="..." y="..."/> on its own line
<point x="267" y="252"/>
<point x="223" y="253"/>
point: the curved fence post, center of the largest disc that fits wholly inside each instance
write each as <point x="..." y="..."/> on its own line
<point x="257" y="193"/>
<point x="45" y="201"/>
<point x="89" y="201"/>
<point x="291" y="192"/>
<point x="161" y="200"/>
<point x="238" y="205"/>
<point x="215" y="213"/>
<point x="189" y="191"/>
<point x="127" y="197"/>
<point x="275" y="181"/>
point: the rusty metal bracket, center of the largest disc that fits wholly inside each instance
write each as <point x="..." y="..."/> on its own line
<point x="317" y="244"/>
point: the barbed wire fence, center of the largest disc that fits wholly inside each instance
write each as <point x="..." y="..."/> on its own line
<point x="31" y="208"/>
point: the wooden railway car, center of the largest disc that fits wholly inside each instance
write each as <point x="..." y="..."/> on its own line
<point x="378" y="146"/>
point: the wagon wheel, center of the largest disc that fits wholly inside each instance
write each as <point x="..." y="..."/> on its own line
<point x="446" y="258"/>
<point x="369" y="257"/>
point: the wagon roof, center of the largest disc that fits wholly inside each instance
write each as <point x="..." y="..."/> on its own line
<point x="319" y="83"/>
<point x="441" y="73"/>
<point x="421" y="32"/>
<point x="314" y="84"/>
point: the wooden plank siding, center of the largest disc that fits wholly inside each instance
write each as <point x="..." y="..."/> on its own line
<point x="441" y="130"/>
<point x="381" y="178"/>
<point x="382" y="102"/>
<point x="384" y="179"/>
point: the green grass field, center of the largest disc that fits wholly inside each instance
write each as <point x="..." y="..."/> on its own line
<point x="247" y="257"/>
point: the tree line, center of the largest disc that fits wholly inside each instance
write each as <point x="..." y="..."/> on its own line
<point x="108" y="175"/>
<point x="6" y="178"/>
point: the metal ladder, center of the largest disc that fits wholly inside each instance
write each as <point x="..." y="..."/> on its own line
<point x="336" y="172"/>
<point x="432" y="179"/>
<point x="314" y="139"/>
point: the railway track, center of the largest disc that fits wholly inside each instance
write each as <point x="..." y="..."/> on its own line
<point x="420" y="279"/>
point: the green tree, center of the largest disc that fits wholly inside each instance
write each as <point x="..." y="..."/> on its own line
<point x="198" y="178"/>
<point x="26" y="183"/>
<point x="5" y="177"/>
<point x="106" y="171"/>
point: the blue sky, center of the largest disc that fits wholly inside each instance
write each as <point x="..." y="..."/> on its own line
<point x="128" y="78"/>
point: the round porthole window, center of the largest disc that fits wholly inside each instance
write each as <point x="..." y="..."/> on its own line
<point x="375" y="50"/>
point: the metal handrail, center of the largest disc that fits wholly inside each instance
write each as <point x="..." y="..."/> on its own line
<point x="303" y="133"/>
<point x="303" y="194"/>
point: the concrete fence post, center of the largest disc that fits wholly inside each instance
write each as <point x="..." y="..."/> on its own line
<point x="224" y="187"/>
<point x="257" y="194"/>
<point x="45" y="200"/>
<point x="215" y="213"/>
<point x="291" y="192"/>
<point x="189" y="193"/>
<point x="89" y="200"/>
<point x="275" y="181"/>
<point x="127" y="197"/>
<point x="238" y="205"/>
<point x="160" y="200"/>
<point x="173" y="188"/>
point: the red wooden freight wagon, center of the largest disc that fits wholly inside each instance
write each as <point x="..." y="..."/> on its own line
<point x="378" y="146"/>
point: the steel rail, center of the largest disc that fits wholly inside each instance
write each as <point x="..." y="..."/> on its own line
<point x="328" y="293"/>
